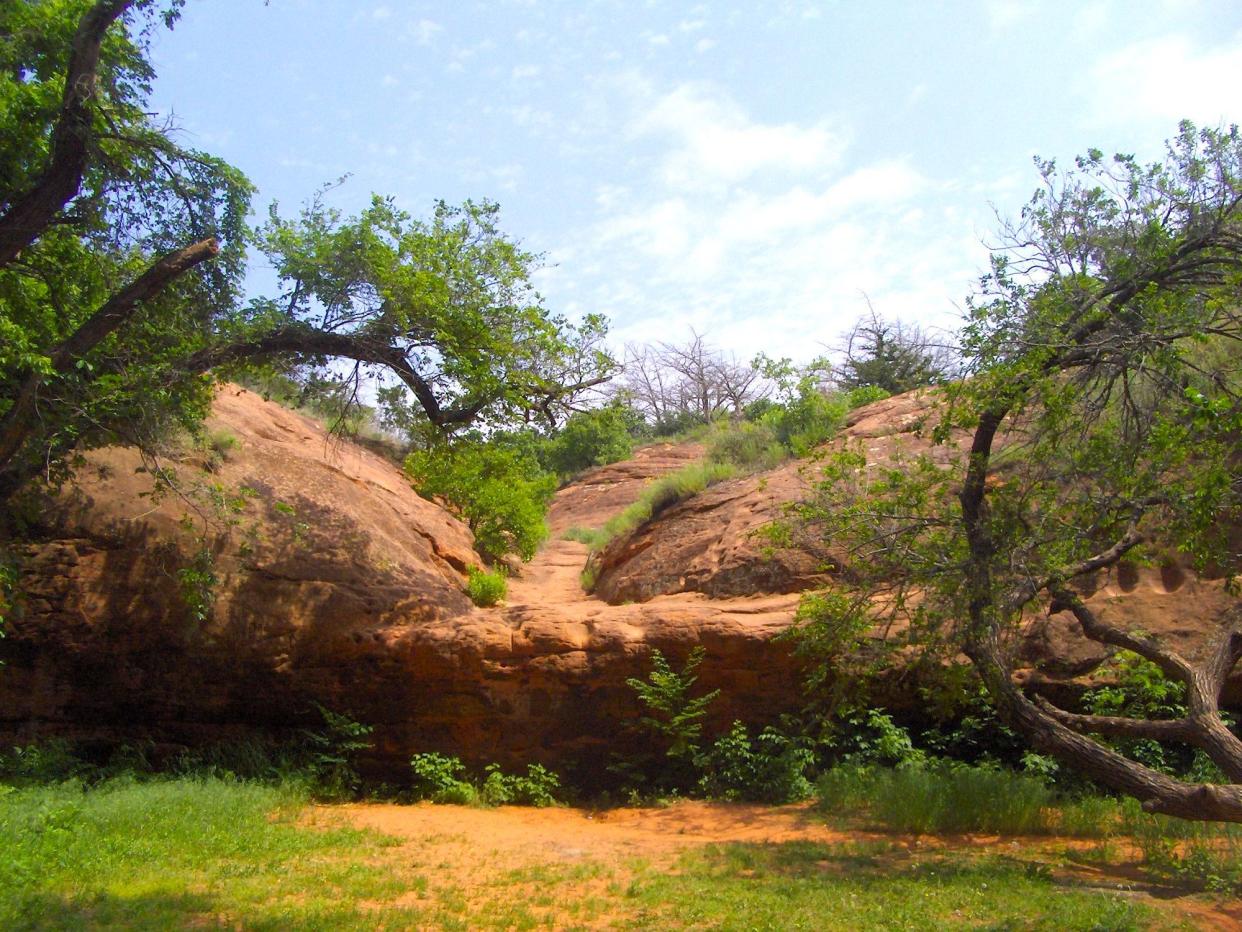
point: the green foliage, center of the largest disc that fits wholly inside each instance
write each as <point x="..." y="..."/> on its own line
<point x="748" y="446"/>
<point x="770" y="768"/>
<point x="591" y="438"/>
<point x="673" y="720"/>
<point x="539" y="787"/>
<point x="450" y="296"/>
<point x="197" y="583"/>
<point x="443" y="779"/>
<point x="438" y="778"/>
<point x="331" y="753"/>
<point x="891" y="357"/>
<point x="142" y="195"/>
<point x="497" y="489"/>
<point x="485" y="588"/>
<point x="941" y="796"/>
<point x="865" y="395"/>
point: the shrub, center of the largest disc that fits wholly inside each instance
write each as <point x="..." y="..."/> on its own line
<point x="331" y="752"/>
<point x="498" y="489"/>
<point x="865" y="395"/>
<point x="485" y="588"/>
<point x="770" y="769"/>
<point x="674" y="722"/>
<point x="538" y="788"/>
<point x="591" y="438"/>
<point x="437" y="778"/>
<point x="807" y="420"/>
<point x="751" y="447"/>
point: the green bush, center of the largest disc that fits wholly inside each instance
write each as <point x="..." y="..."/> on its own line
<point x="807" y="420"/>
<point x="498" y="489"/>
<point x="539" y="787"/>
<point x="750" y="447"/>
<point x="771" y="768"/>
<point x="591" y="438"/>
<point x="331" y="752"/>
<point x="437" y="777"/>
<point x="443" y="779"/>
<point x="865" y="395"/>
<point x="485" y="588"/>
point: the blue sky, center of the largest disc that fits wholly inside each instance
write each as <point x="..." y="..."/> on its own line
<point x="757" y="171"/>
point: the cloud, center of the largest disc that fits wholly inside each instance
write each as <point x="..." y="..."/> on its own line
<point x="763" y="234"/>
<point x="716" y="142"/>
<point x="1167" y="79"/>
<point x="526" y="71"/>
<point x="424" y="31"/>
<point x="704" y="45"/>
<point x="381" y="13"/>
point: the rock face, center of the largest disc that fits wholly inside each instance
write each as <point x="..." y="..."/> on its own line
<point x="334" y="583"/>
<point x="337" y="584"/>
<point x="714" y="543"/>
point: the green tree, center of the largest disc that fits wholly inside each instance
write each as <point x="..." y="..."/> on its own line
<point x="892" y="356"/>
<point x="121" y="253"/>
<point x="497" y="488"/>
<point x="592" y="438"/>
<point x="1102" y="423"/>
<point x="119" y="249"/>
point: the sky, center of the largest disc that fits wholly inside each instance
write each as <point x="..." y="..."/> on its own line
<point x="761" y="172"/>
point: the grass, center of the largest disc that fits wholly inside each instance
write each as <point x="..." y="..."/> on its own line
<point x="954" y="798"/>
<point x="185" y="852"/>
<point x="802" y="885"/>
<point x="178" y="852"/>
<point x="657" y="497"/>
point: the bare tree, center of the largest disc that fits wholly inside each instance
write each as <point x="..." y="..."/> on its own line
<point x="691" y="381"/>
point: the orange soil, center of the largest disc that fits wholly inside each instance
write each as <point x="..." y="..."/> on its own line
<point x="470" y="848"/>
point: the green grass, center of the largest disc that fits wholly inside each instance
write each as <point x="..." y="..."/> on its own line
<point x="657" y="497"/>
<point x="802" y="885"/>
<point x="178" y="852"/>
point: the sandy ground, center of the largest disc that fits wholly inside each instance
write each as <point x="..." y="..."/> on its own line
<point x="470" y="847"/>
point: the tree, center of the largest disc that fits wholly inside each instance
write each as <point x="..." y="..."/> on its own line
<point x="681" y="384"/>
<point x="893" y="356"/>
<point x="118" y="248"/>
<point x="497" y="488"/>
<point x="121" y="253"/>
<point x="1102" y="423"/>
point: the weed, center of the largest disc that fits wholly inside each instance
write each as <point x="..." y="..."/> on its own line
<point x="484" y="588"/>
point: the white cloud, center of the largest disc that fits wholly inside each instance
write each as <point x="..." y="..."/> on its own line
<point x="381" y="13"/>
<point x="526" y="71"/>
<point x="424" y="31"/>
<point x="704" y="45"/>
<point x="717" y="142"/>
<point x="1167" y="79"/>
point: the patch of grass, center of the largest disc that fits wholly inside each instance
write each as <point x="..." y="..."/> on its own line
<point x="939" y="797"/>
<point x="804" y="885"/>
<point x="484" y="588"/>
<point x="177" y="853"/>
<point x="657" y="497"/>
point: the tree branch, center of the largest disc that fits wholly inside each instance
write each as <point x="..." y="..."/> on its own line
<point x="17" y="423"/>
<point x="31" y="213"/>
